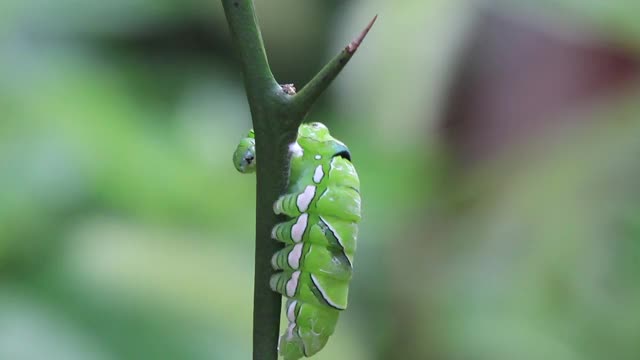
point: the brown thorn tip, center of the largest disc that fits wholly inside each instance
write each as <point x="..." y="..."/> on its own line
<point x="353" y="46"/>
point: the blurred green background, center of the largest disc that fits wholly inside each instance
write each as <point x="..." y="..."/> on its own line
<point x="497" y="145"/>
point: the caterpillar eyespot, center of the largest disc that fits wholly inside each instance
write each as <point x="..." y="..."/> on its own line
<point x="315" y="267"/>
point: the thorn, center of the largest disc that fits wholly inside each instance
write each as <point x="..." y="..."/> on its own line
<point x="353" y="46"/>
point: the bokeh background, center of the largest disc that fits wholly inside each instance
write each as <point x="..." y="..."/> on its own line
<point x="498" y="146"/>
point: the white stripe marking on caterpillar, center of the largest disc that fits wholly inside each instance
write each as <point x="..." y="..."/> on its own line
<point x="298" y="229"/>
<point x="333" y="231"/>
<point x="318" y="174"/>
<point x="325" y="296"/>
<point x="290" y="330"/>
<point x="291" y="312"/>
<point x="292" y="284"/>
<point x="295" y="255"/>
<point x="295" y="149"/>
<point x="305" y="198"/>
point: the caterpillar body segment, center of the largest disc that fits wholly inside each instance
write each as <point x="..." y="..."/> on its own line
<point x="340" y="202"/>
<point x="309" y="329"/>
<point x="326" y="231"/>
<point x="311" y="288"/>
<point x="307" y="257"/>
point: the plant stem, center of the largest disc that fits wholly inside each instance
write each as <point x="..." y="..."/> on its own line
<point x="276" y="116"/>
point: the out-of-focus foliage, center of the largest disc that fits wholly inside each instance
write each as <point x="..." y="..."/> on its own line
<point x="125" y="232"/>
<point x="542" y="260"/>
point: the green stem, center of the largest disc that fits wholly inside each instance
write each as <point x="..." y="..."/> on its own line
<point x="248" y="42"/>
<point x="276" y="116"/>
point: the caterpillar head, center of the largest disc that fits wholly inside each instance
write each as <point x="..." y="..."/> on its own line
<point x="244" y="158"/>
<point x="316" y="136"/>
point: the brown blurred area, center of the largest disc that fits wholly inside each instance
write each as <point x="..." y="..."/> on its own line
<point x="519" y="74"/>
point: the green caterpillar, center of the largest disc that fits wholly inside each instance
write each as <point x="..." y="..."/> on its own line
<point x="316" y="264"/>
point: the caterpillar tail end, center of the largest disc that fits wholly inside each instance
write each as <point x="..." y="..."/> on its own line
<point x="292" y="343"/>
<point x="309" y="329"/>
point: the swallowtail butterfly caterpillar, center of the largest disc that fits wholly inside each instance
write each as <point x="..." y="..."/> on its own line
<point x="314" y="268"/>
